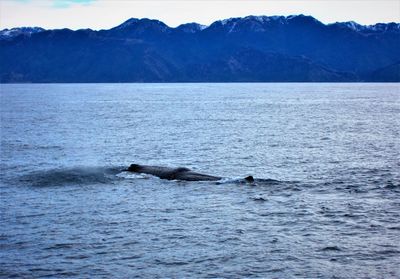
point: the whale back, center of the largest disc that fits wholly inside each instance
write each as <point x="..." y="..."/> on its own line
<point x="180" y="173"/>
<point x="161" y="172"/>
<point x="181" y="169"/>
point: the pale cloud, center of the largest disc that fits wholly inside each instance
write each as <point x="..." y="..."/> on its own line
<point x="68" y="3"/>
<point x="104" y="14"/>
<point x="53" y="3"/>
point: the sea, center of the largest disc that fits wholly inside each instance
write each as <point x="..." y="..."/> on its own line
<point x="325" y="202"/>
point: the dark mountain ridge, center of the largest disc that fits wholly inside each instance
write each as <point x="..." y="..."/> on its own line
<point x="253" y="48"/>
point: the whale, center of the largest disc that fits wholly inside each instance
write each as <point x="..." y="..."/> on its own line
<point x="179" y="173"/>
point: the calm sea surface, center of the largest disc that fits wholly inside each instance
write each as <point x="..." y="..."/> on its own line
<point x="67" y="210"/>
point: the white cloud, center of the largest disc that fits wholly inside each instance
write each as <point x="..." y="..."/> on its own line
<point x="68" y="3"/>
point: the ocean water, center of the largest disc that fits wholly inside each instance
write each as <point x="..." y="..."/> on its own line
<point x="68" y="211"/>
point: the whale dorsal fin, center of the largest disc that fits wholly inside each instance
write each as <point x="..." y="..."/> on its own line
<point x="134" y="168"/>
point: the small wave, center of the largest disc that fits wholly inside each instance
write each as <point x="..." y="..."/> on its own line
<point x="267" y="181"/>
<point x="259" y="199"/>
<point x="331" y="248"/>
<point x="256" y="182"/>
<point x="391" y="185"/>
<point x="60" y="246"/>
<point x="397" y="228"/>
<point x="71" y="176"/>
<point x="171" y="262"/>
<point x="388" y="252"/>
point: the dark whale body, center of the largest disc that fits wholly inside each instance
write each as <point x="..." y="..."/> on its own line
<point x="176" y="173"/>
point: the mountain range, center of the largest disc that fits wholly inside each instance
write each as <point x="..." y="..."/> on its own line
<point x="295" y="48"/>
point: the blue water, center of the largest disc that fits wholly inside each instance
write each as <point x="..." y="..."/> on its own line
<point x="68" y="211"/>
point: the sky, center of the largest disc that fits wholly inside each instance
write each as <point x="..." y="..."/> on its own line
<point x="105" y="14"/>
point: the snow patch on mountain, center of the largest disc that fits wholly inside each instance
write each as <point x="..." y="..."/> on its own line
<point x="14" y="32"/>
